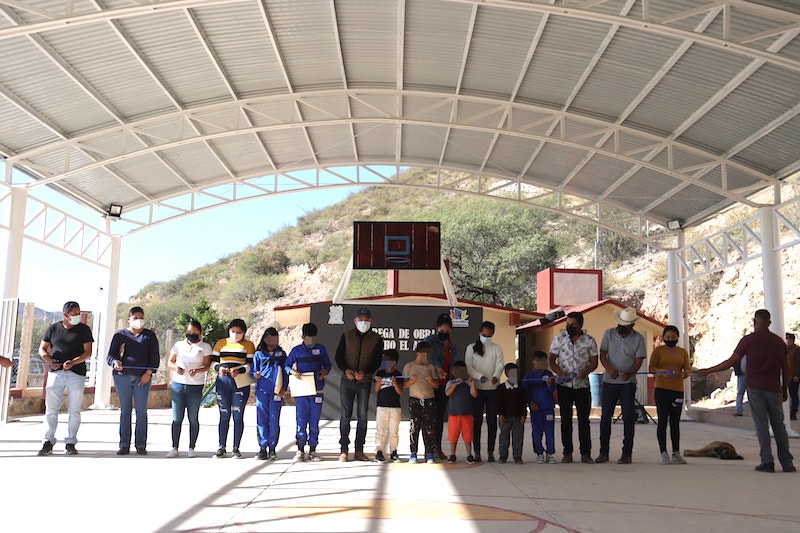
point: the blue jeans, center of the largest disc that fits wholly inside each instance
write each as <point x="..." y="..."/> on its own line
<point x="57" y="381"/>
<point x="625" y="393"/>
<point x="308" y="412"/>
<point x="268" y="419"/>
<point x="231" y="401"/>
<point x="129" y="393"/>
<point x="486" y="398"/>
<point x="766" y="408"/>
<point x="740" y="389"/>
<point x="350" y="392"/>
<point x="185" y="399"/>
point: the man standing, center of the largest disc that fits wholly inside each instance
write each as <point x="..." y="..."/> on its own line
<point x="574" y="353"/>
<point x="65" y="347"/>
<point x="358" y="356"/>
<point x="793" y="354"/>
<point x="622" y="352"/>
<point x="443" y="355"/>
<point x="767" y="380"/>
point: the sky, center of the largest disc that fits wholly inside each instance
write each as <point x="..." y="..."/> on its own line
<point x="160" y="253"/>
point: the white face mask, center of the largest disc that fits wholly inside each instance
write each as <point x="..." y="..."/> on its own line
<point x="235" y="336"/>
<point x="512" y="377"/>
<point x="484" y="340"/>
<point x="137" y="323"/>
<point x="363" y="325"/>
<point x="75" y="320"/>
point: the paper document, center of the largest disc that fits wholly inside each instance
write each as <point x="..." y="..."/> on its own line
<point x="305" y="385"/>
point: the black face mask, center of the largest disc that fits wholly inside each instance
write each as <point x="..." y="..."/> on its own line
<point x="193" y="338"/>
<point x="573" y="330"/>
<point x="671" y="344"/>
<point x="624" y="330"/>
<point x="443" y="336"/>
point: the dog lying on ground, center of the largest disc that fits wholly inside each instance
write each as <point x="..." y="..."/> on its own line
<point x="723" y="450"/>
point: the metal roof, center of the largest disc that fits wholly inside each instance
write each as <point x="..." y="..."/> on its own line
<point x="625" y="111"/>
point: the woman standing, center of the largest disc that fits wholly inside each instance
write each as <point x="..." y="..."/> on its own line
<point x="671" y="365"/>
<point x="232" y="356"/>
<point x="134" y="356"/>
<point x="485" y="365"/>
<point x="271" y="382"/>
<point x="189" y="360"/>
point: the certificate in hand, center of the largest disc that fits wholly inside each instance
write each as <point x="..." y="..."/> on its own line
<point x="305" y="385"/>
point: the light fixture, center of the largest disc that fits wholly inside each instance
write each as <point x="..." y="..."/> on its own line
<point x="114" y="211"/>
<point x="674" y="224"/>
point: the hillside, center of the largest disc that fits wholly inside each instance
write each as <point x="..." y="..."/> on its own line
<point x="495" y="250"/>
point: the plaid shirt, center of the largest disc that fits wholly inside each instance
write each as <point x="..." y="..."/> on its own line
<point x="574" y="358"/>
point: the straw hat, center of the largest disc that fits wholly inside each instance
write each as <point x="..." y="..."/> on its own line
<point x="626" y="317"/>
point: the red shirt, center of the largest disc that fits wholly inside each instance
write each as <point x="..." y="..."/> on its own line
<point x="766" y="355"/>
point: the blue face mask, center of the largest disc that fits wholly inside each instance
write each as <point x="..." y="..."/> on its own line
<point x="387" y="365"/>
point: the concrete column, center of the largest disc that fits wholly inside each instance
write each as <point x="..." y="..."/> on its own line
<point x="103" y="381"/>
<point x="678" y="316"/>
<point x="13" y="244"/>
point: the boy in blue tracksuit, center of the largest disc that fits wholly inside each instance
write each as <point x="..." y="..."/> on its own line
<point x="309" y="357"/>
<point x="271" y="381"/>
<point x="539" y="386"/>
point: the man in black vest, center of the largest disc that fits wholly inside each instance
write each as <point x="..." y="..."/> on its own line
<point x="358" y="356"/>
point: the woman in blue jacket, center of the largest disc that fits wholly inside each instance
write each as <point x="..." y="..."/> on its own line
<point x="271" y="380"/>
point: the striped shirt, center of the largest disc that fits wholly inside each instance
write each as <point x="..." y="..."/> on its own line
<point x="230" y="354"/>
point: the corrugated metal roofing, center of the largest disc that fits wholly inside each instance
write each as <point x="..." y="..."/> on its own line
<point x="667" y="109"/>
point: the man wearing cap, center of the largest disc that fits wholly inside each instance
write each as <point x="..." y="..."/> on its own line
<point x="65" y="347"/>
<point x="443" y="355"/>
<point x="358" y="356"/>
<point x="622" y="352"/>
<point x="767" y="379"/>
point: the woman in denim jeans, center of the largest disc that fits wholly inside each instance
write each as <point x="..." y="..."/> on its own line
<point x="189" y="360"/>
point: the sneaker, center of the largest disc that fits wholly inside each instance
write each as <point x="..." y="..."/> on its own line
<point x="664" y="459"/>
<point x="451" y="459"/>
<point x="430" y="458"/>
<point x="412" y="458"/>
<point x="221" y="454"/>
<point x="471" y="460"/>
<point x="299" y="456"/>
<point x="314" y="456"/>
<point x="379" y="456"/>
<point x="236" y="454"/>
<point x="123" y="451"/>
<point x="394" y="457"/>
<point x="343" y="457"/>
<point x="262" y="455"/>
<point x="677" y="458"/>
<point x="273" y="456"/>
<point x="172" y="453"/>
<point x="550" y="459"/>
<point x="540" y="458"/>
<point x="47" y="448"/>
<point x="71" y="450"/>
<point x="141" y="451"/>
<point x="765" y="467"/>
<point x="190" y="454"/>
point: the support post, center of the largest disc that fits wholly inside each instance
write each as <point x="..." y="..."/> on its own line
<point x="102" y="390"/>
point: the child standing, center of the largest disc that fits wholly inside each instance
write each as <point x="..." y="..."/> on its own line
<point x="461" y="389"/>
<point x="511" y="411"/>
<point x="304" y="358"/>
<point x="421" y="383"/>
<point x="539" y="385"/>
<point x="388" y="387"/>
<point x="271" y="381"/>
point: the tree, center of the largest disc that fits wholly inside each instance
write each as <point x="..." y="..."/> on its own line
<point x="214" y="329"/>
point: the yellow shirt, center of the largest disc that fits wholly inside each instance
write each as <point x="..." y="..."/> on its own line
<point x="664" y="359"/>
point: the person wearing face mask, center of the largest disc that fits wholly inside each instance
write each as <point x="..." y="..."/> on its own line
<point x="358" y="356"/>
<point x="388" y="387"/>
<point x="485" y="363"/>
<point x="134" y="356"/>
<point x="539" y="386"/>
<point x="573" y="352"/>
<point x="511" y="410"/>
<point x="271" y="383"/>
<point x="443" y="356"/>
<point x="671" y="364"/>
<point x="421" y="383"/>
<point x="232" y="356"/>
<point x="189" y="359"/>
<point x="64" y="348"/>
<point x="309" y="356"/>
<point x="622" y="352"/>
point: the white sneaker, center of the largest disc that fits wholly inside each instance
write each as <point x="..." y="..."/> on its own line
<point x="664" y="460"/>
<point x="551" y="460"/>
<point x="191" y="453"/>
<point x="677" y="458"/>
<point x="540" y="458"/>
<point x="172" y="453"/>
<point x="299" y="456"/>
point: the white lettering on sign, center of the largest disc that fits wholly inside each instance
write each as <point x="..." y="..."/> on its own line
<point x="386" y="333"/>
<point x="404" y="346"/>
<point x="420" y="334"/>
<point x="403" y="333"/>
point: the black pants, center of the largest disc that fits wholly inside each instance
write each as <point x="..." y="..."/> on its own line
<point x="423" y="416"/>
<point x="582" y="399"/>
<point x="669" y="404"/>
